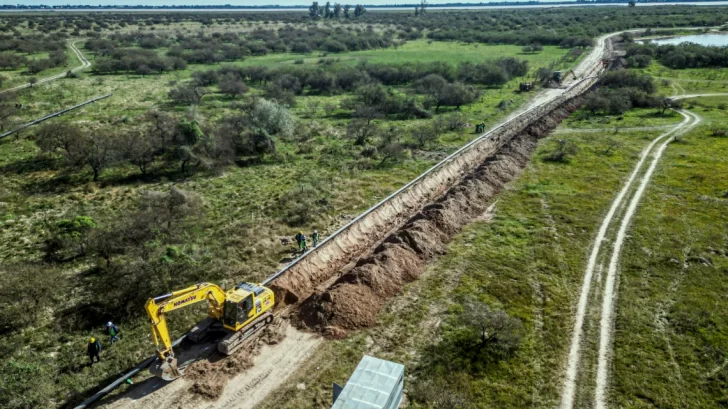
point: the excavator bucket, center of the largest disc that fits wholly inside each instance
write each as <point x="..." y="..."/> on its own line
<point x="169" y="370"/>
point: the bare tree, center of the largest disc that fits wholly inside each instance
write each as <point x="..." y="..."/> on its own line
<point x="8" y="108"/>
<point x="166" y="209"/>
<point x="188" y="94"/>
<point x="97" y="151"/>
<point x="424" y="134"/>
<point x="55" y="136"/>
<point x="139" y="148"/>
<point x="162" y="125"/>
<point x="232" y="86"/>
<point x="562" y="151"/>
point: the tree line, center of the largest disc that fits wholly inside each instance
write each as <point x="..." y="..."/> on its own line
<point x="686" y="55"/>
<point x="162" y="139"/>
<point x="620" y="91"/>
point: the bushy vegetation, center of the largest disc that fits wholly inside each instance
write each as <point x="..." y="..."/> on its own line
<point x="679" y="56"/>
<point x="622" y="90"/>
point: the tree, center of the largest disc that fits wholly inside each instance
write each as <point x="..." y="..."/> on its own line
<point x="314" y="11"/>
<point x="370" y="96"/>
<point x="232" y="86"/>
<point x="252" y="132"/>
<point x="494" y="331"/>
<point x="346" y="11"/>
<point x="359" y="10"/>
<point x="434" y="86"/>
<point x="162" y="125"/>
<point x="361" y="130"/>
<point x="167" y="209"/>
<point x="424" y="134"/>
<point x="337" y="10"/>
<point x="327" y="10"/>
<point x="191" y="146"/>
<point x="595" y="102"/>
<point x="563" y="150"/>
<point x="53" y="137"/>
<point x="8" y="108"/>
<point x="139" y="148"/>
<point x="423" y="7"/>
<point x="274" y="119"/>
<point x="669" y="103"/>
<point x="32" y="81"/>
<point x="69" y="238"/>
<point x="459" y="94"/>
<point x="390" y="149"/>
<point x="187" y="94"/>
<point x="632" y="3"/>
<point x="97" y="151"/>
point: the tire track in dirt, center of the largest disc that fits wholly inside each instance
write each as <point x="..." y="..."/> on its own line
<point x="81" y="58"/>
<point x="610" y="292"/>
<point x="569" y="388"/>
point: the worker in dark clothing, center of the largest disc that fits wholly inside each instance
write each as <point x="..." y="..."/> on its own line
<point x="112" y="331"/>
<point x="93" y="349"/>
<point x="299" y="239"/>
<point x="303" y="245"/>
<point x="315" y="238"/>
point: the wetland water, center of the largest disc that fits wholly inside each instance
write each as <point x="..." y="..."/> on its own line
<point x="715" y="40"/>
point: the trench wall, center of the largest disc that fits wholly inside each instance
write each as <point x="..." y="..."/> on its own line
<point x="299" y="279"/>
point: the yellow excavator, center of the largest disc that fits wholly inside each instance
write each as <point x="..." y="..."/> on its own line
<point x="240" y="312"/>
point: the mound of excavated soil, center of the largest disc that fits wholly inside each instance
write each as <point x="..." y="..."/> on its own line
<point x="354" y="299"/>
<point x="210" y="378"/>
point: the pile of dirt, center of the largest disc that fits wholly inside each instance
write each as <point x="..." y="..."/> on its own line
<point x="209" y="377"/>
<point x="354" y="299"/>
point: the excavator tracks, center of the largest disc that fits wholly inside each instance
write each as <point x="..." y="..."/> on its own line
<point x="234" y="341"/>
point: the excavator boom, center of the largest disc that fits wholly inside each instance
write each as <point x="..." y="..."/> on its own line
<point x="158" y="307"/>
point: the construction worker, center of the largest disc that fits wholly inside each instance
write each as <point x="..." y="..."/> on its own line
<point x="299" y="239"/>
<point x="303" y="246"/>
<point x="315" y="238"/>
<point x="112" y="331"/>
<point x="93" y="349"/>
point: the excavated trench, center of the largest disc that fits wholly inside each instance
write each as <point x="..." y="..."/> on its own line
<point x="353" y="300"/>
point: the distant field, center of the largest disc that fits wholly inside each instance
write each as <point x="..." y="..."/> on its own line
<point x="423" y="51"/>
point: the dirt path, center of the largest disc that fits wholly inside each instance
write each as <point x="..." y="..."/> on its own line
<point x="270" y="367"/>
<point x="84" y="64"/>
<point x="603" y="130"/>
<point x="568" y="390"/>
<point x="610" y="293"/>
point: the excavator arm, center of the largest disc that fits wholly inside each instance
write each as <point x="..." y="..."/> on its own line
<point x="158" y="307"/>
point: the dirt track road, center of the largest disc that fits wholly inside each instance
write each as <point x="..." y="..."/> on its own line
<point x="84" y="64"/>
<point x="598" y="296"/>
<point x="274" y="364"/>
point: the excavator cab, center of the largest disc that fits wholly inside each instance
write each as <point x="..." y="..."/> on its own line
<point x="236" y="313"/>
<point x="245" y="303"/>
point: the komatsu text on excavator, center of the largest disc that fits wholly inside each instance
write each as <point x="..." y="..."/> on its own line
<point x="240" y="312"/>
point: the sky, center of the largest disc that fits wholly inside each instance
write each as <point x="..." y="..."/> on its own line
<point x="216" y="2"/>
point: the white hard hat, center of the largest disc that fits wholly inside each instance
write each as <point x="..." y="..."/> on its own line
<point x="315" y="231"/>
<point x="108" y="324"/>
